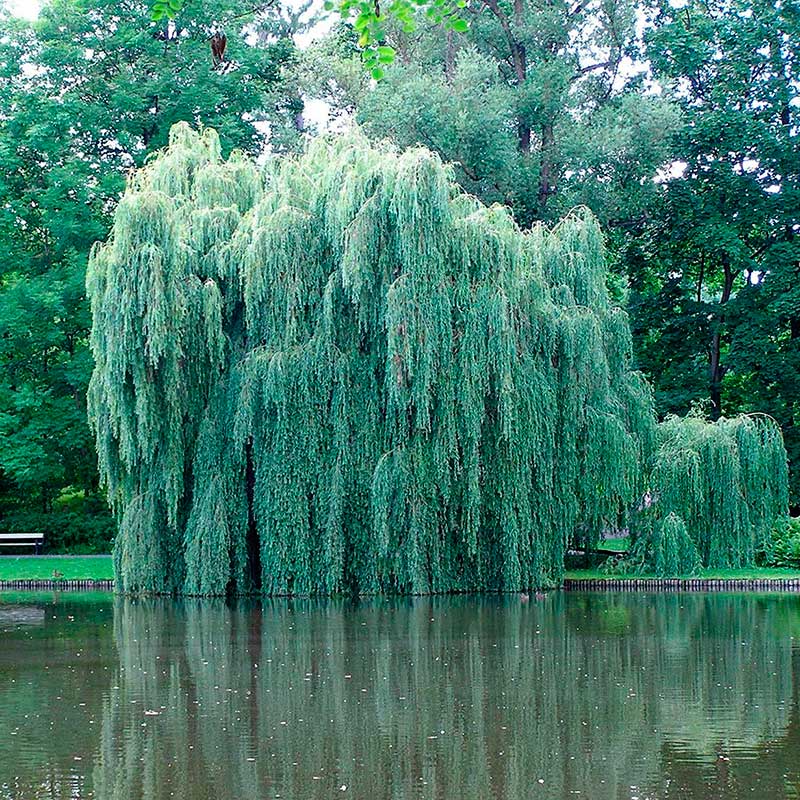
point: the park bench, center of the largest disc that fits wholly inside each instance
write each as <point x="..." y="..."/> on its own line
<point x="35" y="540"/>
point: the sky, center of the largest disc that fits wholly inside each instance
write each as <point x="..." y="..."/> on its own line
<point x="24" y="8"/>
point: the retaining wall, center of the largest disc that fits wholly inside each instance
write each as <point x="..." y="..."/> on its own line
<point x="57" y="585"/>
<point x="683" y="584"/>
<point x="570" y="584"/>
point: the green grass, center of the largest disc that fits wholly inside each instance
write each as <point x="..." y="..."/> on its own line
<point x="21" y="568"/>
<point x="72" y="568"/>
<point x="617" y="545"/>
<point x="755" y="573"/>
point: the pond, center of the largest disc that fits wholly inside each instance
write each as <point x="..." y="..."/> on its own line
<point x="565" y="695"/>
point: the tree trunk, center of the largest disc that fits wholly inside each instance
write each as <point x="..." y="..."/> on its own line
<point x="546" y="167"/>
<point x="519" y="61"/>
<point x="521" y="69"/>
<point x="717" y="371"/>
<point x="450" y="58"/>
<point x="252" y="546"/>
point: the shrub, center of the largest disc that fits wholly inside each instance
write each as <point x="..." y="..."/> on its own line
<point x="782" y="546"/>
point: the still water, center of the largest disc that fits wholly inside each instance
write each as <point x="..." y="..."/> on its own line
<point x="567" y="695"/>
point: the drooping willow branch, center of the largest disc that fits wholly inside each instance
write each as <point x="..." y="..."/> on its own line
<point x="716" y="490"/>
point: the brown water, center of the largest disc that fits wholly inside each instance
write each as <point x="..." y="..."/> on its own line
<point x="570" y="695"/>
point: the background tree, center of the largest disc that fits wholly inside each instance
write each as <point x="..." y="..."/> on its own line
<point x="715" y="271"/>
<point x="89" y="90"/>
<point x="539" y="104"/>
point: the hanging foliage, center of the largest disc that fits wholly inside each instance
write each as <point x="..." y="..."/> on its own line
<point x="666" y="551"/>
<point x="342" y="374"/>
<point x="716" y="490"/>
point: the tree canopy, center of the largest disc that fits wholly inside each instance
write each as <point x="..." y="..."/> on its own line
<point x="715" y="491"/>
<point x="89" y="90"/>
<point x="714" y="271"/>
<point x="383" y="383"/>
<point x="347" y="375"/>
<point x="536" y="105"/>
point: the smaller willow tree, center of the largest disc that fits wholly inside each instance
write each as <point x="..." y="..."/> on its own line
<point x="345" y="375"/>
<point x="715" y="491"/>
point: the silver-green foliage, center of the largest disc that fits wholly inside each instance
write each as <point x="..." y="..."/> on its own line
<point x="664" y="549"/>
<point x="724" y="483"/>
<point x="342" y="374"/>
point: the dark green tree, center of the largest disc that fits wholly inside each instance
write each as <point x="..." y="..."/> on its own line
<point x="88" y="91"/>
<point x="715" y="271"/>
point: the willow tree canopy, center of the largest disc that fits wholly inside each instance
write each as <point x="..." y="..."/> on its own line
<point x="715" y="492"/>
<point x="342" y="374"/>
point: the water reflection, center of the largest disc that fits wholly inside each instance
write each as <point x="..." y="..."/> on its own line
<point x="578" y="695"/>
<point x="13" y="616"/>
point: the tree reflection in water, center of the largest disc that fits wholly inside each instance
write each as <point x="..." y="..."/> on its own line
<point x="604" y="696"/>
<point x="595" y="695"/>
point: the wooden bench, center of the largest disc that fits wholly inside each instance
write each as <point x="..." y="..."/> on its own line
<point x="35" y="540"/>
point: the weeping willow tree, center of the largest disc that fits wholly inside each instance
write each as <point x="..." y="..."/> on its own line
<point x="716" y="490"/>
<point x="342" y="374"/>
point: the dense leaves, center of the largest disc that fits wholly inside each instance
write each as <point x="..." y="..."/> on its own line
<point x="782" y="546"/>
<point x="353" y="378"/>
<point x="714" y="270"/>
<point x="537" y="105"/>
<point x="367" y="20"/>
<point x="716" y="491"/>
<point x="675" y="123"/>
<point x="677" y="126"/>
<point x="88" y="90"/>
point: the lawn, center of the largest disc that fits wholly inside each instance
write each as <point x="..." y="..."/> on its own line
<point x="755" y="573"/>
<point x="20" y="568"/>
<point x="71" y="568"/>
<point x="620" y="545"/>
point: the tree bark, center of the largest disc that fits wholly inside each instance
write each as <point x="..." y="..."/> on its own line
<point x="519" y="61"/>
<point x="546" y="166"/>
<point x="450" y="58"/>
<point x="717" y="370"/>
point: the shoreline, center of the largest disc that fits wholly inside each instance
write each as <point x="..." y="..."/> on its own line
<point x="681" y="584"/>
<point x="570" y="585"/>
<point x="56" y="585"/>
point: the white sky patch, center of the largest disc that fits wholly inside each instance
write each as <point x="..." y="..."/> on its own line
<point x="314" y="32"/>
<point x="29" y="9"/>
<point x="672" y="171"/>
<point x="317" y="112"/>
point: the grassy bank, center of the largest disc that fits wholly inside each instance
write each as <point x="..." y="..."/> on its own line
<point x="68" y="568"/>
<point x="22" y="568"/>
